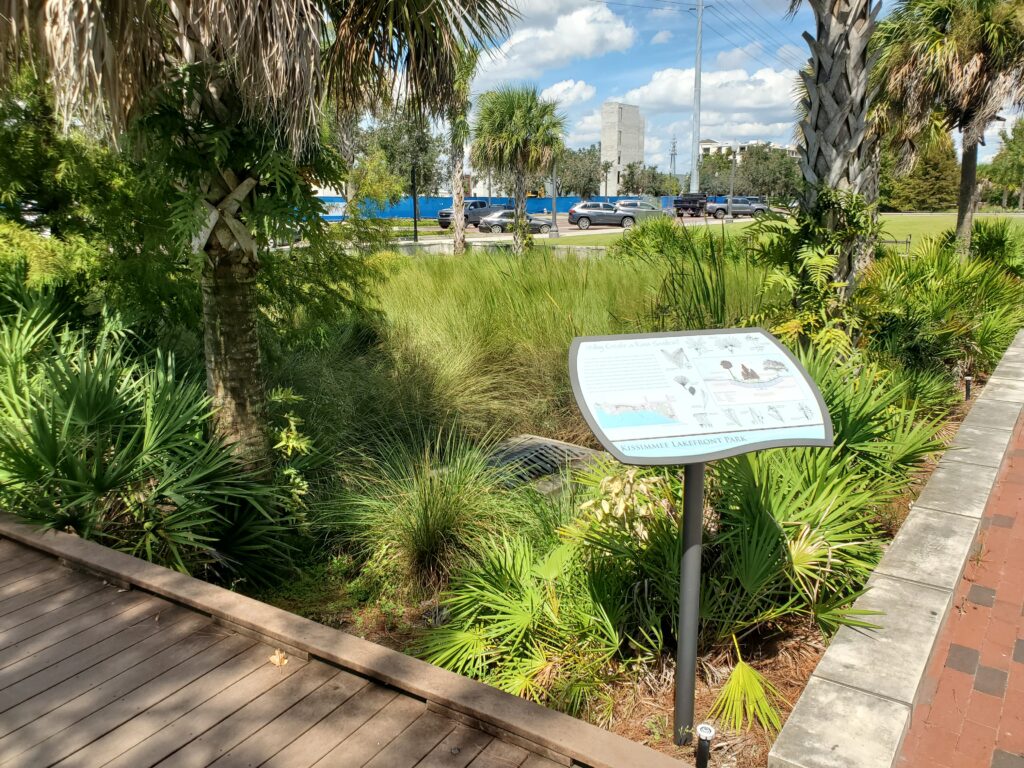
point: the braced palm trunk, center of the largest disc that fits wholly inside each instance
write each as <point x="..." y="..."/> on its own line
<point x="234" y="374"/>
<point x="838" y="149"/>
<point x="458" y="199"/>
<point x="519" y="226"/>
<point x="966" y="198"/>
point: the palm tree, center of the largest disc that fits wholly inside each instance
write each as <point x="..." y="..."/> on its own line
<point x="960" y="60"/>
<point x="230" y="96"/>
<point x="606" y="168"/>
<point x="458" y="126"/>
<point x="837" y="149"/>
<point x="518" y="132"/>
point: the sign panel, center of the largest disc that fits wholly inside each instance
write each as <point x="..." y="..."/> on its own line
<point x="693" y="396"/>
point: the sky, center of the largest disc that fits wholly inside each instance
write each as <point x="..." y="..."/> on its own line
<point x="585" y="52"/>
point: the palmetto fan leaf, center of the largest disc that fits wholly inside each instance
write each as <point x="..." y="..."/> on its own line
<point x="283" y="57"/>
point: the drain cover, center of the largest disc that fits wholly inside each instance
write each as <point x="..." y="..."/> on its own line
<point x="531" y="458"/>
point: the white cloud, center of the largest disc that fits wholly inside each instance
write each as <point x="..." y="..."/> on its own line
<point x="738" y="57"/>
<point x="569" y="92"/>
<point x="553" y="37"/>
<point x="587" y="130"/>
<point x="661" y="37"/>
<point x="765" y="92"/>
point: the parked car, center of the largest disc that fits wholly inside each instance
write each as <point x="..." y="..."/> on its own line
<point x="502" y="221"/>
<point x="623" y="214"/>
<point x="691" y="204"/>
<point x="474" y="211"/>
<point x="741" y="206"/>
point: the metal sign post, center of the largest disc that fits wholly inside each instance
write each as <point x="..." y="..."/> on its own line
<point x="686" y="398"/>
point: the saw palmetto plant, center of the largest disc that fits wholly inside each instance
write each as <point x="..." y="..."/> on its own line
<point x="227" y="99"/>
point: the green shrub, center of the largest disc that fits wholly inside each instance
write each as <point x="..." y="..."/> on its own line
<point x="527" y="623"/>
<point x="112" y="448"/>
<point x="1000" y="241"/>
<point x="935" y="308"/>
<point x="418" y="513"/>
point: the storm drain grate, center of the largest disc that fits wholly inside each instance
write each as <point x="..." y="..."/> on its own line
<point x="530" y="458"/>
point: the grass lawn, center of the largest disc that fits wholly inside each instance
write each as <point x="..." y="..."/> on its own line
<point x="921" y="225"/>
<point x="896" y="226"/>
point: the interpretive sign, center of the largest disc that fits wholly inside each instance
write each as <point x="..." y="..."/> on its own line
<point x="687" y="398"/>
<point x="693" y="396"/>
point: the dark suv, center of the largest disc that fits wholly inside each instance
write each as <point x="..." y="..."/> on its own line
<point x="474" y="211"/>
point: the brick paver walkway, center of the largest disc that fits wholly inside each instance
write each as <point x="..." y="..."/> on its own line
<point x="970" y="712"/>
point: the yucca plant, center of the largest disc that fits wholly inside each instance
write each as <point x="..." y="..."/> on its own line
<point x="113" y="448"/>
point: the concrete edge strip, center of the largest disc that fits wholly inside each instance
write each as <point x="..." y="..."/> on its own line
<point x="813" y="734"/>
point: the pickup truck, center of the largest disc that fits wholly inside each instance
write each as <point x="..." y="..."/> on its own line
<point x="741" y="206"/>
<point x="474" y="211"/>
<point x="690" y="204"/>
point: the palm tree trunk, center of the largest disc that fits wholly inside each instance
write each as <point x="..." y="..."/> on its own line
<point x="1006" y="197"/>
<point x="965" y="202"/>
<point x="1020" y="197"/>
<point x="234" y="373"/>
<point x="838" y="150"/>
<point x="519" y="222"/>
<point x="458" y="200"/>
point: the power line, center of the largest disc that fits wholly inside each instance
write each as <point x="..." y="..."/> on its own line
<point x="755" y="56"/>
<point x="748" y="36"/>
<point x="768" y="29"/>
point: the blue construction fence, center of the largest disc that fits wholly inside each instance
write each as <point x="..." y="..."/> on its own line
<point x="429" y="206"/>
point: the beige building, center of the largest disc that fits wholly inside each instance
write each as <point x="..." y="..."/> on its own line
<point x="710" y="147"/>
<point x="622" y="140"/>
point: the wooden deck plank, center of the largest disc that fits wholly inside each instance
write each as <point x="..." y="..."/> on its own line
<point x="291" y="725"/>
<point x="31" y="596"/>
<point x="414" y="743"/>
<point x="536" y="761"/>
<point x="93" y="681"/>
<point x="72" y="609"/>
<point x="48" y="676"/>
<point x="457" y="749"/>
<point x="334" y="728"/>
<point x="29" y="577"/>
<point x="66" y="630"/>
<point x="140" y="608"/>
<point x="375" y="734"/>
<point x="76" y="722"/>
<point x="157" y="716"/>
<point x="500" y="754"/>
<point x="251" y="718"/>
<point x="19" y="559"/>
<point x="49" y="604"/>
<point x="205" y="716"/>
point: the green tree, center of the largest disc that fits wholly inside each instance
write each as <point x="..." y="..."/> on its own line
<point x="931" y="185"/>
<point x="406" y="140"/>
<point x="458" y="135"/>
<point x="225" y="102"/>
<point x="955" y="62"/>
<point x="606" y="169"/>
<point x="1008" y="164"/>
<point x="516" y="131"/>
<point x="579" y="172"/>
<point x="768" y="171"/>
<point x="715" y="170"/>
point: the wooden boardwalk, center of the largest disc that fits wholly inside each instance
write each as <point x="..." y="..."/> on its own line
<point x="95" y="675"/>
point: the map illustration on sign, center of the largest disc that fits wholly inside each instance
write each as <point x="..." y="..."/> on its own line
<point x="692" y="396"/>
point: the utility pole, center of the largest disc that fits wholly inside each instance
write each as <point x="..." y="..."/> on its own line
<point x="695" y="153"/>
<point x="416" y="207"/>
<point x="732" y="178"/>
<point x="554" y="200"/>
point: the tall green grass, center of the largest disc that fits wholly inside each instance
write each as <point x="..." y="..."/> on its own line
<point x="478" y="342"/>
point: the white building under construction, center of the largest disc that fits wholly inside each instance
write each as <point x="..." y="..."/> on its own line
<point x="622" y="140"/>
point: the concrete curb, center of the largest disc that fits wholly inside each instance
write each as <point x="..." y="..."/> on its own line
<point x="543" y="731"/>
<point x="857" y="706"/>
